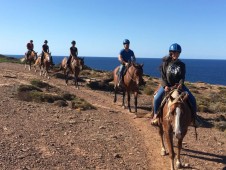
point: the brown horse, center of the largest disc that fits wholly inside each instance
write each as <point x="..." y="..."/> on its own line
<point x="44" y="68"/>
<point x="75" y="67"/>
<point x="132" y="80"/>
<point x="175" y="118"/>
<point x="30" y="59"/>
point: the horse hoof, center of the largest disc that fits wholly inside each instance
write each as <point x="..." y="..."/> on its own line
<point x="178" y="164"/>
<point x="163" y="152"/>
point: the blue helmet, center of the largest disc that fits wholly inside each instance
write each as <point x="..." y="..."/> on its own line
<point x="175" y="47"/>
<point x="126" y="41"/>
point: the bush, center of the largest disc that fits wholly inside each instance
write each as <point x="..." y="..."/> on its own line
<point x="40" y="84"/>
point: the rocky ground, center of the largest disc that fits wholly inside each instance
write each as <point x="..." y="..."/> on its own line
<point x="46" y="136"/>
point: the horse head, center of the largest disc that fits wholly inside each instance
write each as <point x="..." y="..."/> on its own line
<point x="138" y="73"/>
<point x="176" y="109"/>
<point x="81" y="62"/>
<point x="47" y="56"/>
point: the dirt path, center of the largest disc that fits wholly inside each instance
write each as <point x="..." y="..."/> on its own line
<point x="44" y="136"/>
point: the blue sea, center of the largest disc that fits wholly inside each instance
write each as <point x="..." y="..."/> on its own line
<point x="197" y="70"/>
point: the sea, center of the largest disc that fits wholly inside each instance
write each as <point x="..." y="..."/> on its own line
<point x="197" y="70"/>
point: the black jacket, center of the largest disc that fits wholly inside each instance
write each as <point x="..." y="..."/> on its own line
<point x="172" y="72"/>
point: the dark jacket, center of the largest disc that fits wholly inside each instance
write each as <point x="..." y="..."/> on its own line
<point x="172" y="72"/>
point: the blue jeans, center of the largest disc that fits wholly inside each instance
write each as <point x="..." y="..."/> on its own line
<point x="160" y="94"/>
<point x="121" y="71"/>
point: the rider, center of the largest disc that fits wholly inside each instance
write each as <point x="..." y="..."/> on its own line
<point x="173" y="73"/>
<point x="126" y="55"/>
<point x="45" y="48"/>
<point x="73" y="53"/>
<point x="30" y="48"/>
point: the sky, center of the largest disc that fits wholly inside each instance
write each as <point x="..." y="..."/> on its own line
<point x="100" y="26"/>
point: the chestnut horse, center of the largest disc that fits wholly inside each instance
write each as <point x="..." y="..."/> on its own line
<point x="44" y="68"/>
<point x="175" y="118"/>
<point x="30" y="59"/>
<point x="75" y="67"/>
<point x="132" y="80"/>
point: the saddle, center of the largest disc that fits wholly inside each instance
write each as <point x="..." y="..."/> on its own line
<point x="182" y="94"/>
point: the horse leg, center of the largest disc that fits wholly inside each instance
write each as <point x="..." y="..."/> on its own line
<point x="76" y="81"/>
<point x="29" y="65"/>
<point x="163" y="149"/>
<point x="128" y="99"/>
<point x="178" y="162"/>
<point x="47" y="72"/>
<point x="115" y="97"/>
<point x="40" y="70"/>
<point x="66" y="77"/>
<point x="169" y="139"/>
<point x="135" y="101"/>
<point x="123" y="99"/>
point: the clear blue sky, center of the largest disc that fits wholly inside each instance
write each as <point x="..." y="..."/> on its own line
<point x="100" y="26"/>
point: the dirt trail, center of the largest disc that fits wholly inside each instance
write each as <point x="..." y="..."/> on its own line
<point x="208" y="152"/>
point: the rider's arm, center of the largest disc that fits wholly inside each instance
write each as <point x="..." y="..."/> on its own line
<point x="71" y="53"/>
<point x="121" y="59"/>
<point x="164" y="81"/>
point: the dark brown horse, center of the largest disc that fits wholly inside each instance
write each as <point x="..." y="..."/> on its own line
<point x="44" y="68"/>
<point x="75" y="67"/>
<point x="30" y="59"/>
<point x="175" y="118"/>
<point x="132" y="80"/>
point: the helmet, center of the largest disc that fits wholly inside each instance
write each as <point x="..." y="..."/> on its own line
<point x="31" y="40"/>
<point x="45" y="41"/>
<point x="73" y="42"/>
<point x="175" y="47"/>
<point x="126" y="41"/>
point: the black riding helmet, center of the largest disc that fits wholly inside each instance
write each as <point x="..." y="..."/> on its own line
<point x="73" y="42"/>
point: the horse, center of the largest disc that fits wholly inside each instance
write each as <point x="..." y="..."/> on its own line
<point x="75" y="67"/>
<point x="30" y="59"/>
<point x="175" y="117"/>
<point x="132" y="80"/>
<point x="45" y="66"/>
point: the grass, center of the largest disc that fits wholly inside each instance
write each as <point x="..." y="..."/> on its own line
<point x="8" y="59"/>
<point x="34" y="93"/>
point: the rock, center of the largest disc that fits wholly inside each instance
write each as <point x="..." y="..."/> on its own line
<point x="102" y="127"/>
<point x="116" y="155"/>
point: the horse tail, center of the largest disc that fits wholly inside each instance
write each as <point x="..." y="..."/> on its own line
<point x="177" y="123"/>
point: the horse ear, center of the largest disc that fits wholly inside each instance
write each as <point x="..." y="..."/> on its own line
<point x="142" y="65"/>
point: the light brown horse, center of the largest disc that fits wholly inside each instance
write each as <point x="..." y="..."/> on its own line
<point x="30" y="59"/>
<point x="76" y="66"/>
<point x="175" y="118"/>
<point x="132" y="80"/>
<point x="44" y="68"/>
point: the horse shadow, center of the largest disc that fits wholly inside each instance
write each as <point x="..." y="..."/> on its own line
<point x="203" y="155"/>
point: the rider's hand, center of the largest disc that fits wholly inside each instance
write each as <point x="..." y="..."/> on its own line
<point x="167" y="88"/>
<point x="126" y="64"/>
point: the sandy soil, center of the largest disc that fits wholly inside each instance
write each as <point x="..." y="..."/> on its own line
<point x="45" y="136"/>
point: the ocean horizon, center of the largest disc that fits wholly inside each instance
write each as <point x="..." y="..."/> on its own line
<point x="210" y="71"/>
